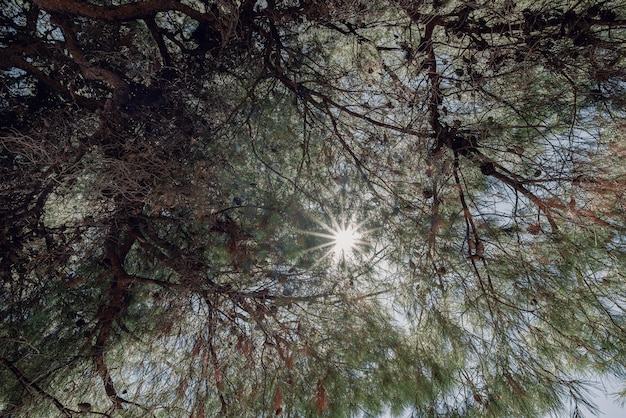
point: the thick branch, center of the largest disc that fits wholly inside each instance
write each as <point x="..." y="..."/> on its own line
<point x="89" y="71"/>
<point x="158" y="38"/>
<point x="433" y="78"/>
<point x="543" y="207"/>
<point x="11" y="57"/>
<point x="125" y="12"/>
<point x="490" y="168"/>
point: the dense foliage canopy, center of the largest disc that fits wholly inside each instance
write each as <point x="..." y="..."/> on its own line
<point x="175" y="176"/>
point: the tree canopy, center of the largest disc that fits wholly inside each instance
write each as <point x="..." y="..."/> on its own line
<point x="311" y="208"/>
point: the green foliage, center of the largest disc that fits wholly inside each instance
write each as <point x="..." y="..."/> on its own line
<point x="173" y="175"/>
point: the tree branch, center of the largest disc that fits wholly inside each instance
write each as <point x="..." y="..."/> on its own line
<point x="125" y="12"/>
<point x="32" y="386"/>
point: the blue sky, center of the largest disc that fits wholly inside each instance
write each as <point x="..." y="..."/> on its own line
<point x="607" y="402"/>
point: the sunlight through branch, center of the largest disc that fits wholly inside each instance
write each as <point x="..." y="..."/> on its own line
<point x="343" y="240"/>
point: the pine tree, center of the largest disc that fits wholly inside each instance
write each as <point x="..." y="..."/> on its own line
<point x="175" y="177"/>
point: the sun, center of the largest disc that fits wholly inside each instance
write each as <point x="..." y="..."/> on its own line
<point x="343" y="240"/>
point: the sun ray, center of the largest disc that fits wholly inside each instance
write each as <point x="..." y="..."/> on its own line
<point x="343" y="240"/>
